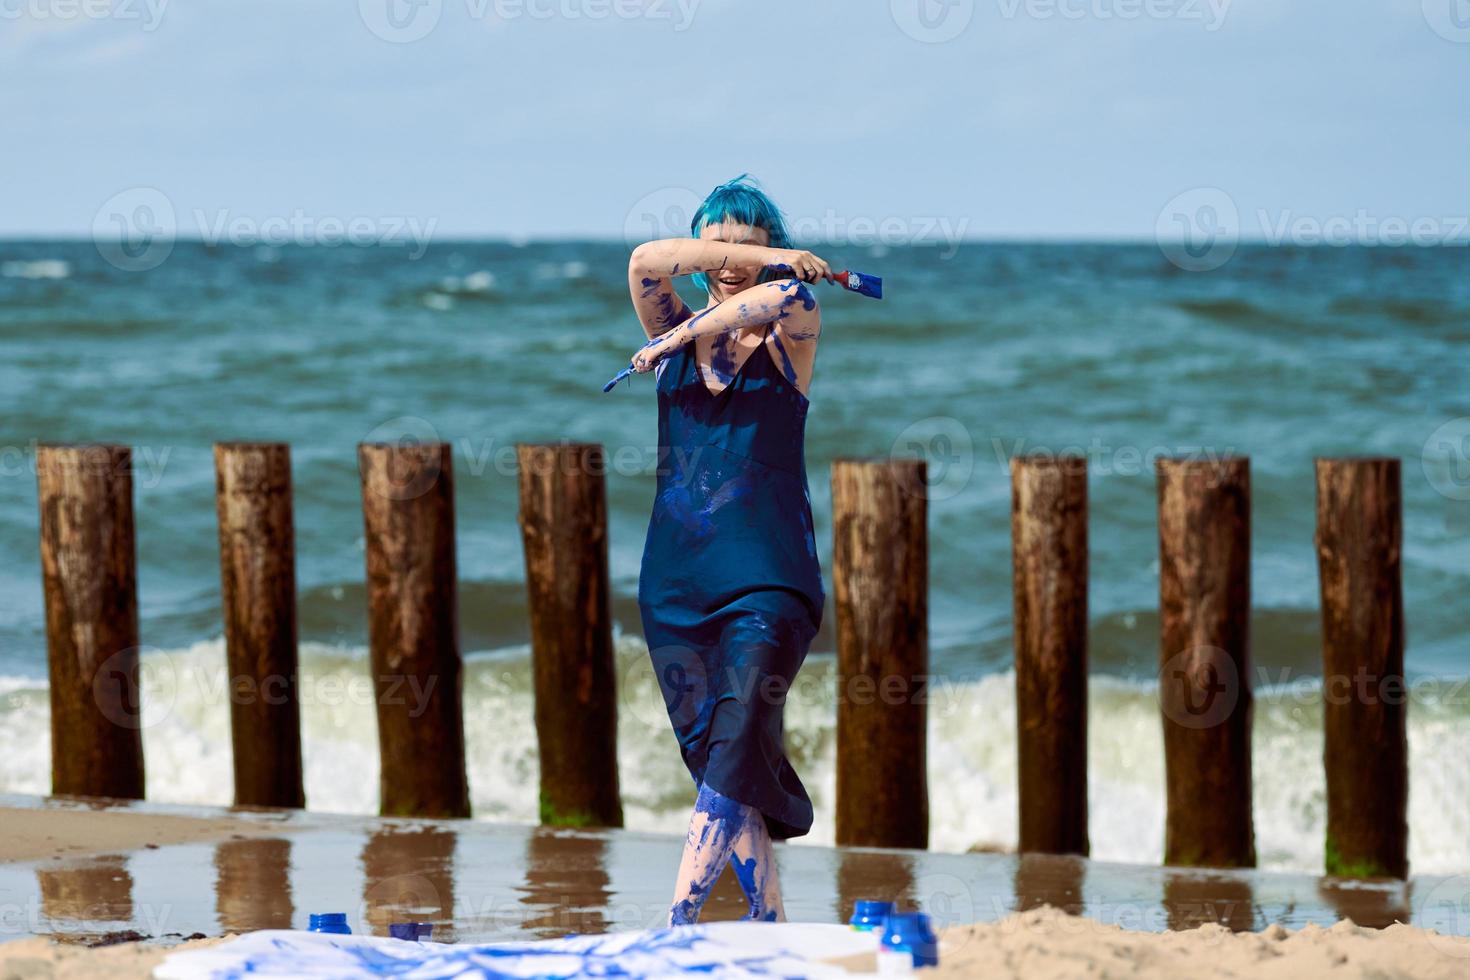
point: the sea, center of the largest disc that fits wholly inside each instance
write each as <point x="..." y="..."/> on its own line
<point x="977" y="352"/>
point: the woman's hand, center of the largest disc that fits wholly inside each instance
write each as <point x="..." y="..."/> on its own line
<point x="799" y="263"/>
<point x="658" y="348"/>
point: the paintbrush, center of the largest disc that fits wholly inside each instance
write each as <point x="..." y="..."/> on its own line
<point x="860" y="282"/>
<point x="857" y="282"/>
<point x="624" y="373"/>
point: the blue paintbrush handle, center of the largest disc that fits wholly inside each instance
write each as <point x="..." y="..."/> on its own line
<point x="624" y="373"/>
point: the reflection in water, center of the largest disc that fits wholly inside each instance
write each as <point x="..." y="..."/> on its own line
<point x="1196" y="897"/>
<point x="253" y="884"/>
<point x="98" y="889"/>
<point x="877" y="875"/>
<point x="567" y="885"/>
<point x="1376" y="904"/>
<point x="1050" y="879"/>
<point x="408" y="875"/>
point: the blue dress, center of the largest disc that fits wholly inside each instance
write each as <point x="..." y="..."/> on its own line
<point x="730" y="587"/>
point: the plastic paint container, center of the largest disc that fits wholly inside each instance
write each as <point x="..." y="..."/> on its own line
<point x="868" y="914"/>
<point x="411" y="931"/>
<point x="906" y="942"/>
<point x="333" y="922"/>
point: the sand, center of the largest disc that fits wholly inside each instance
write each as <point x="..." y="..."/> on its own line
<point x="1045" y="944"/>
<point x="32" y="834"/>
<point x="42" y="959"/>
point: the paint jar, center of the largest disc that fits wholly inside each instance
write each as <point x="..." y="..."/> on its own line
<point x="868" y="914"/>
<point x="906" y="942"/>
<point x="411" y="931"/>
<point x="333" y="922"/>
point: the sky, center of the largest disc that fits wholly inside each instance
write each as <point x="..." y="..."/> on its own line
<point x="925" y="119"/>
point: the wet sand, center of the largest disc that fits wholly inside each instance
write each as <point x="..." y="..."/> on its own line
<point x="80" y="872"/>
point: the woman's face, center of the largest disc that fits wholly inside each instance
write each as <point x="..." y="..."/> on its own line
<point x="726" y="282"/>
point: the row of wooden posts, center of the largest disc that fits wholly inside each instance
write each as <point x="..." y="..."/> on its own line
<point x="879" y="574"/>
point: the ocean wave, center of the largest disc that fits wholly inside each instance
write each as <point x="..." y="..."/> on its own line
<point x="36" y="269"/>
<point x="972" y="753"/>
<point x="1425" y="311"/>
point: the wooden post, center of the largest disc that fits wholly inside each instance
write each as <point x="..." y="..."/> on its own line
<point x="880" y="576"/>
<point x="413" y="627"/>
<point x="1204" y="655"/>
<point x="257" y="552"/>
<point x="563" y="519"/>
<point x="1049" y="565"/>
<point x="89" y="577"/>
<point x="1359" y="533"/>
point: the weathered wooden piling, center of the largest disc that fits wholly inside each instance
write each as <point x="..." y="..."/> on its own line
<point x="1049" y="565"/>
<point x="880" y="576"/>
<point x="89" y="578"/>
<point x="413" y="626"/>
<point x="1204" y="657"/>
<point x="257" y="551"/>
<point x="563" y="520"/>
<point x="1359" y="536"/>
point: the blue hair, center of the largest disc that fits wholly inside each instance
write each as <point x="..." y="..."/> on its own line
<point x="742" y="202"/>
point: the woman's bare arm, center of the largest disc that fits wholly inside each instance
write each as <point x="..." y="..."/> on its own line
<point x="790" y="304"/>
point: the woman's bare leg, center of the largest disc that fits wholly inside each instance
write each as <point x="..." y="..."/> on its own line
<point x="723" y="831"/>
<point x="754" y="862"/>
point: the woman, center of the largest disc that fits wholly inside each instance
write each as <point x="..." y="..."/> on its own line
<point x="730" y="588"/>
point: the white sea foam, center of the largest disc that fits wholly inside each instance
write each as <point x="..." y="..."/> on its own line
<point x="972" y="756"/>
<point x="36" y="269"/>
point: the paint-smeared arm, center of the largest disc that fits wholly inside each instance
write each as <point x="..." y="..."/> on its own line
<point x="790" y="304"/>
<point x="654" y="265"/>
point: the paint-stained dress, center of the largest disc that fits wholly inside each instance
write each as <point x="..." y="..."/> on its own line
<point x="730" y="588"/>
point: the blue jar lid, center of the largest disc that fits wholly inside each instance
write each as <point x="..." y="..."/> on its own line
<point x="911" y="932"/>
<point x="320" y="921"/>
<point x="869" y="913"/>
